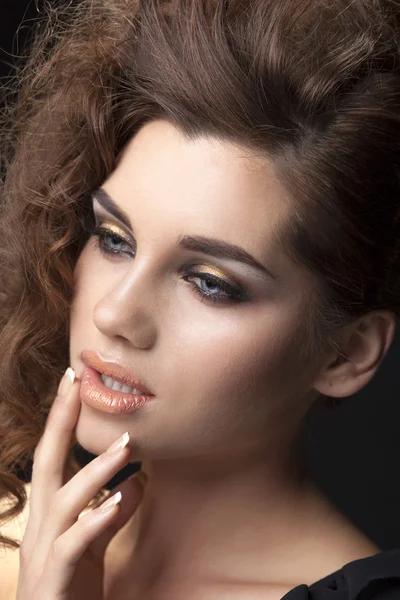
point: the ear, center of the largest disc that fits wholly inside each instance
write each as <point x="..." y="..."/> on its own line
<point x="364" y="344"/>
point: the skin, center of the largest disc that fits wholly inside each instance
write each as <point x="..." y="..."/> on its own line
<point x="228" y="501"/>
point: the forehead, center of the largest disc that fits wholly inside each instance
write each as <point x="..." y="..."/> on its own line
<point x="205" y="174"/>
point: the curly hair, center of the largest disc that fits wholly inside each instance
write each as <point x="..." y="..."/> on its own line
<point x="312" y="84"/>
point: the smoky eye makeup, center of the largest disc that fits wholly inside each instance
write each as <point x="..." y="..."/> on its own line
<point x="110" y="240"/>
<point x="100" y="224"/>
<point x="205" y="245"/>
<point x="112" y="245"/>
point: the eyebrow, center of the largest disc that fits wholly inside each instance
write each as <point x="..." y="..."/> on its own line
<point x="205" y="245"/>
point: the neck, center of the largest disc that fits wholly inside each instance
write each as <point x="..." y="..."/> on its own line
<point x="207" y="518"/>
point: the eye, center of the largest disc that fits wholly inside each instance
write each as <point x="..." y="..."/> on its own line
<point x="107" y="240"/>
<point x="232" y="294"/>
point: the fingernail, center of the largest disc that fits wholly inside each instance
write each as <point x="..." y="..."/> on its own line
<point x="142" y="476"/>
<point x="119" y="444"/>
<point x="66" y="382"/>
<point x="108" y="504"/>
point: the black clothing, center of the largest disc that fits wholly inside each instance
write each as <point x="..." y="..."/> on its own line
<point x="376" y="577"/>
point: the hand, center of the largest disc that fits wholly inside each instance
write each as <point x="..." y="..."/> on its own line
<point x="61" y="555"/>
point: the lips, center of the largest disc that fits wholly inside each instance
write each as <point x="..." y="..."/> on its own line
<point x="114" y="370"/>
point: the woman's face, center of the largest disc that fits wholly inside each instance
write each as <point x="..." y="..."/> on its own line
<point x="225" y="374"/>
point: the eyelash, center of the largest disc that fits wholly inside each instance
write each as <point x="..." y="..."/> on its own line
<point x="101" y="233"/>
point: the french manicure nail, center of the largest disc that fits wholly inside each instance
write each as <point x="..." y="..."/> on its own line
<point x="119" y="444"/>
<point x="142" y="476"/>
<point x="66" y="382"/>
<point x="111" y="501"/>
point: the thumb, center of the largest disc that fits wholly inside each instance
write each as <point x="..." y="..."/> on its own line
<point x="132" y="490"/>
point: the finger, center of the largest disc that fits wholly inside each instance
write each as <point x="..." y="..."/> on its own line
<point x="67" y="550"/>
<point x="132" y="490"/>
<point x="69" y="501"/>
<point x="52" y="451"/>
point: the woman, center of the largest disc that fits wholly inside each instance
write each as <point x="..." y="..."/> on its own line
<point x="201" y="203"/>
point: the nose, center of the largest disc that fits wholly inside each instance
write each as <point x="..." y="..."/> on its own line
<point x="128" y="307"/>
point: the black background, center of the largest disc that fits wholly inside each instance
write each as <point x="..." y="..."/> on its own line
<point x="354" y="449"/>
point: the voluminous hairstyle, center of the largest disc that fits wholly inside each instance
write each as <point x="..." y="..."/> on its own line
<point x="314" y="85"/>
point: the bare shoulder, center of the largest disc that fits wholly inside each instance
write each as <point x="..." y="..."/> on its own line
<point x="328" y="551"/>
<point x="9" y="558"/>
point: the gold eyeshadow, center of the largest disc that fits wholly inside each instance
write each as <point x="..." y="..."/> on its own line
<point x="113" y="229"/>
<point x="213" y="271"/>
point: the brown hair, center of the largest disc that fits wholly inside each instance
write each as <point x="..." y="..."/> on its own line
<point x="314" y="84"/>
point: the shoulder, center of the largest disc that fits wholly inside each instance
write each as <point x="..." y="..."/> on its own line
<point x="9" y="558"/>
<point x="375" y="577"/>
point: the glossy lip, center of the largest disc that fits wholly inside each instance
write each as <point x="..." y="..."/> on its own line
<point x="112" y="369"/>
<point x="94" y="393"/>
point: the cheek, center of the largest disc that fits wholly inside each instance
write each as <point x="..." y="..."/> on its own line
<point x="224" y="385"/>
<point x="230" y="364"/>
